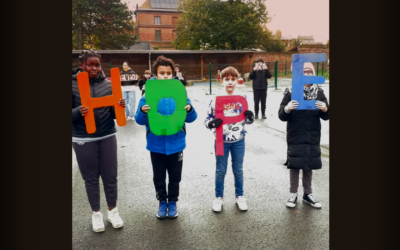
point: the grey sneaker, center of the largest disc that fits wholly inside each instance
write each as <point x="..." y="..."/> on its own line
<point x="292" y="202"/>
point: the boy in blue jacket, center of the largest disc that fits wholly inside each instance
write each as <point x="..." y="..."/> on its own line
<point x="166" y="152"/>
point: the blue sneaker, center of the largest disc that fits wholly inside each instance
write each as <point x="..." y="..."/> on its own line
<point x="172" y="212"/>
<point x="162" y="211"/>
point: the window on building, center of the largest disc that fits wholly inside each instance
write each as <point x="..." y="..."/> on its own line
<point x="157" y="20"/>
<point x="158" y="35"/>
<point x="173" y="34"/>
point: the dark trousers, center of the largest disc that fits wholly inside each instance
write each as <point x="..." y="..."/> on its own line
<point x="161" y="165"/>
<point x="260" y="95"/>
<point x="294" y="180"/>
<point x="98" y="159"/>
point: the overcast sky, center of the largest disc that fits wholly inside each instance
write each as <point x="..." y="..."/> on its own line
<point x="292" y="17"/>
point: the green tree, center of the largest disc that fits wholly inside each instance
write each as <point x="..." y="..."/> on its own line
<point x="297" y="41"/>
<point x="101" y="24"/>
<point x="216" y="24"/>
<point x="271" y="43"/>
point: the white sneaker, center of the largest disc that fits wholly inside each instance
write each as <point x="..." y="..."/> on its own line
<point x="115" y="219"/>
<point x="292" y="202"/>
<point x="97" y="222"/>
<point x="217" y="204"/>
<point x="241" y="202"/>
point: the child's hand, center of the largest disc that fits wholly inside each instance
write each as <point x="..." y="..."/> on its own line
<point x="83" y="110"/>
<point x="188" y="107"/>
<point x="291" y="105"/>
<point x="249" y="114"/>
<point x="321" y="105"/>
<point x="122" y="102"/>
<point x="215" y="123"/>
<point x="264" y="66"/>
<point x="144" y="108"/>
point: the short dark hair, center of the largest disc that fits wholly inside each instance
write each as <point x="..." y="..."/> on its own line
<point x="163" y="61"/>
<point x="260" y="59"/>
<point x="85" y="54"/>
<point x="177" y="66"/>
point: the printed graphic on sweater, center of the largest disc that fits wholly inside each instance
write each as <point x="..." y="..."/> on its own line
<point x="231" y="132"/>
<point x="232" y="109"/>
<point x="129" y="77"/>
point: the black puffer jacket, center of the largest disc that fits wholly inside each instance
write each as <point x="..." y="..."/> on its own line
<point x="104" y="117"/>
<point x="303" y="133"/>
<point x="259" y="78"/>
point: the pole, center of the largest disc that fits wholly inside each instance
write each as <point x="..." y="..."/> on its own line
<point x="150" y="64"/>
<point x="285" y="67"/>
<point x="201" y="58"/>
<point x="322" y="70"/>
<point x="209" y="69"/>
<point x="317" y="67"/>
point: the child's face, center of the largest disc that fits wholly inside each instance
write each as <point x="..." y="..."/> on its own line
<point x="308" y="71"/>
<point x="164" y="72"/>
<point x="230" y="83"/>
<point x="177" y="69"/>
<point x="92" y="66"/>
<point x="147" y="75"/>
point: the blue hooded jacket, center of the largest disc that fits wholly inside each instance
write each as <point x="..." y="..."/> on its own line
<point x="162" y="144"/>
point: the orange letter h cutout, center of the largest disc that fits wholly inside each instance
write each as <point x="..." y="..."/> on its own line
<point x="92" y="103"/>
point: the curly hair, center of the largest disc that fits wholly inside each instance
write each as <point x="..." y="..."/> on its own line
<point x="163" y="61"/>
<point x="85" y="54"/>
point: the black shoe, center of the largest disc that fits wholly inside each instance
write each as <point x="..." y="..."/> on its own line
<point x="264" y="117"/>
<point x="256" y="117"/>
<point x="309" y="198"/>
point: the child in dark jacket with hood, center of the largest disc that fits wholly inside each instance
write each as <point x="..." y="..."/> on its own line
<point x="96" y="153"/>
<point x="303" y="138"/>
<point x="166" y="152"/>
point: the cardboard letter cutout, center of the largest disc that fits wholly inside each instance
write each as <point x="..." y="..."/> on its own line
<point x="299" y="79"/>
<point x="157" y="90"/>
<point x="220" y="103"/>
<point x="98" y="102"/>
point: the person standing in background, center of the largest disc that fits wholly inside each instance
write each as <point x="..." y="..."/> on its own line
<point x="129" y="82"/>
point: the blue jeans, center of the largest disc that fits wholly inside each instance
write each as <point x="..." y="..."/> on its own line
<point x="237" y="154"/>
<point x="130" y="102"/>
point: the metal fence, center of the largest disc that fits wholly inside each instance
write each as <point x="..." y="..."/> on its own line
<point x="198" y="73"/>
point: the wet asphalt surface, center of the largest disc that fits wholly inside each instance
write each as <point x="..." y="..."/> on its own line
<point x="268" y="223"/>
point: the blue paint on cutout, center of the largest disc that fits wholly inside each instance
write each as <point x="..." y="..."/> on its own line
<point x="299" y="79"/>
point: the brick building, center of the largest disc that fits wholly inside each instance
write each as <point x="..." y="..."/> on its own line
<point x="156" y="23"/>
